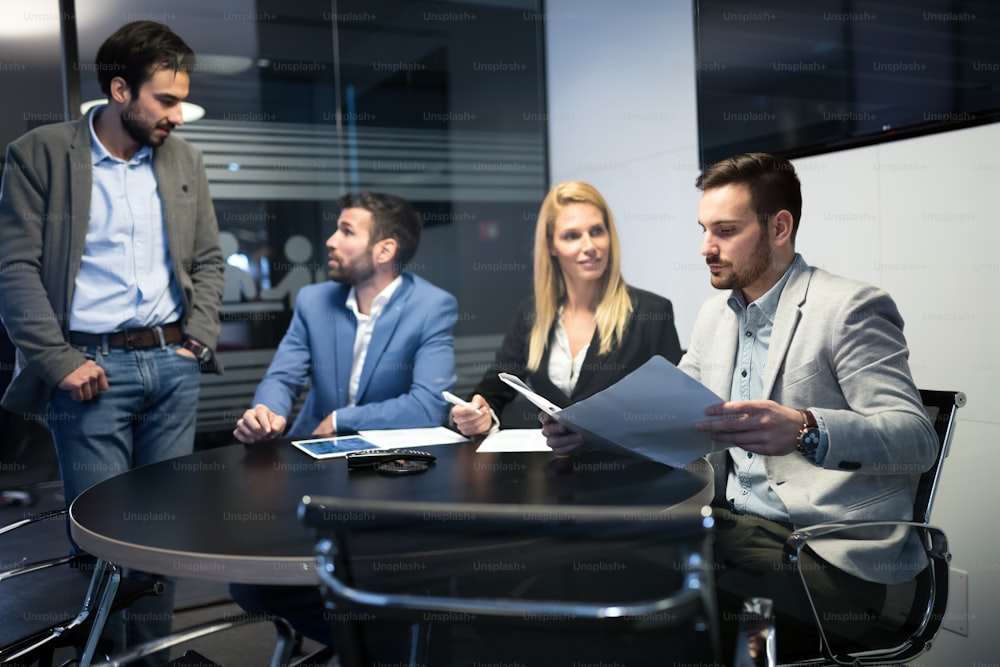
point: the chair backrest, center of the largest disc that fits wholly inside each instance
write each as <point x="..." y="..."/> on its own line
<point x="942" y="408"/>
<point x="535" y="587"/>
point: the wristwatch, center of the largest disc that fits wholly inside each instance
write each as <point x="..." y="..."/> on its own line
<point x="201" y="351"/>
<point x="808" y="440"/>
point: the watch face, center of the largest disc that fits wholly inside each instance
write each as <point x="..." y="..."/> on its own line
<point x="810" y="440"/>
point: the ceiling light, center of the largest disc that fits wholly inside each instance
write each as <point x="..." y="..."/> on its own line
<point x="211" y="63"/>
<point x="190" y="112"/>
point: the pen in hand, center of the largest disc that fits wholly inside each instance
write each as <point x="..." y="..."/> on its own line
<point x="455" y="400"/>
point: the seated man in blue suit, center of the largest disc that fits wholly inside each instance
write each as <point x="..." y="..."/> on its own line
<point x="377" y="345"/>
<point x="375" y="342"/>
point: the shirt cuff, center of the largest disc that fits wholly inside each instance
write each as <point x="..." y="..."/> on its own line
<point x="495" y="426"/>
<point x="333" y="421"/>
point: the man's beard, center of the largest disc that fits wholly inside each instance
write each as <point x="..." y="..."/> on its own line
<point x="760" y="262"/>
<point x="358" y="271"/>
<point x="140" y="132"/>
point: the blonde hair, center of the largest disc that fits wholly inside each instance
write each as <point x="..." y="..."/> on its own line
<point x="614" y="306"/>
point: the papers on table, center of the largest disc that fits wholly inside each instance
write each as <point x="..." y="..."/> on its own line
<point x="649" y="413"/>
<point x="413" y="438"/>
<point x="515" y="440"/>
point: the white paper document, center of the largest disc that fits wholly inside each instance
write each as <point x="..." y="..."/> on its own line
<point x="649" y="413"/>
<point x="412" y="438"/>
<point x="515" y="440"/>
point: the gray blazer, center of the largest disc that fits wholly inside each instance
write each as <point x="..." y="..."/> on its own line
<point x="44" y="214"/>
<point x="837" y="348"/>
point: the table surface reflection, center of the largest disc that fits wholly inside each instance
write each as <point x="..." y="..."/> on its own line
<point x="229" y="514"/>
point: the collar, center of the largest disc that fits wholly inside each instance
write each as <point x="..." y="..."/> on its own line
<point x="767" y="303"/>
<point x="378" y="303"/>
<point x="99" y="153"/>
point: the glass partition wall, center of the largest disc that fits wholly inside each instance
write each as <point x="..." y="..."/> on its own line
<point x="439" y="102"/>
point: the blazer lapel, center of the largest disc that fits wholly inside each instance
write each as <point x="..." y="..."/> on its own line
<point x="81" y="184"/>
<point x="786" y="319"/>
<point x="170" y="184"/>
<point x="345" y="326"/>
<point x="718" y="373"/>
<point x="385" y="326"/>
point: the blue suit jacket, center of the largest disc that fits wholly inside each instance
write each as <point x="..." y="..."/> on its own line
<point x="410" y="360"/>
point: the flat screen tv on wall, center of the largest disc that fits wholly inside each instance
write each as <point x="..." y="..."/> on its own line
<point x="802" y="78"/>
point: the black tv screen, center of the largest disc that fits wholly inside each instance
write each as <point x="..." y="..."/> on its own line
<point x="800" y="78"/>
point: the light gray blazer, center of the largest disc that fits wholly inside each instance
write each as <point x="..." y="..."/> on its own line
<point x="838" y="349"/>
<point x="44" y="213"/>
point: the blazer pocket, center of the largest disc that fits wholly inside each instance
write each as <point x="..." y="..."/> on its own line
<point x="799" y="373"/>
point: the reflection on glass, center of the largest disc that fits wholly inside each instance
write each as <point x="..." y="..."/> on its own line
<point x="440" y="104"/>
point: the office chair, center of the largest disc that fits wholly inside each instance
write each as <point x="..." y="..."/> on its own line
<point x="61" y="605"/>
<point x="914" y="610"/>
<point x="58" y="599"/>
<point x="424" y="584"/>
<point x="284" y="643"/>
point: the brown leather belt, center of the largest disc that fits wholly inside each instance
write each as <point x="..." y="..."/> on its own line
<point x="131" y="339"/>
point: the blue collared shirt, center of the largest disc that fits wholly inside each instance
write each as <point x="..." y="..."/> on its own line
<point x="747" y="488"/>
<point x="126" y="277"/>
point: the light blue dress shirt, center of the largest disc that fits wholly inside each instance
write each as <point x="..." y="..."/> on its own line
<point x="747" y="488"/>
<point x="125" y="279"/>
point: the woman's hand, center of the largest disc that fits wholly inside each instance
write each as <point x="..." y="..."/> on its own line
<point x="562" y="440"/>
<point x="475" y="420"/>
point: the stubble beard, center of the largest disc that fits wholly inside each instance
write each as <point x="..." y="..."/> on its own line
<point x="140" y="132"/>
<point x="352" y="273"/>
<point x="760" y="262"/>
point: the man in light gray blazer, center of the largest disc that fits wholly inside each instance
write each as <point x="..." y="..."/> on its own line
<point x="824" y="422"/>
<point x="111" y="275"/>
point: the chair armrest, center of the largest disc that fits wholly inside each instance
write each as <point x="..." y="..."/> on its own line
<point x="689" y="597"/>
<point x="282" y="650"/>
<point x="935" y="542"/>
<point x="935" y="545"/>
<point x="35" y="518"/>
<point x="34" y="566"/>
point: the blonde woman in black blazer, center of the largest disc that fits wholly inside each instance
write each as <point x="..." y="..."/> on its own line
<point x="584" y="328"/>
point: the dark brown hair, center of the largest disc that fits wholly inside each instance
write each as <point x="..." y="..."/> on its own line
<point x="393" y="218"/>
<point x="771" y="180"/>
<point x="138" y="50"/>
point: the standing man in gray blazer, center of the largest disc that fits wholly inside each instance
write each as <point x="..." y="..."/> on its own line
<point x="111" y="274"/>
<point x="824" y="422"/>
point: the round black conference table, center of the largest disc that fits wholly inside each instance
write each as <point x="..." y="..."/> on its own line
<point x="230" y="513"/>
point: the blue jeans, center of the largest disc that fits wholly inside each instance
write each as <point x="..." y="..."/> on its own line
<point x="146" y="415"/>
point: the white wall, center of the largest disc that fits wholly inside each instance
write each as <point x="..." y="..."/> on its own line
<point x="621" y="97"/>
<point x="916" y="217"/>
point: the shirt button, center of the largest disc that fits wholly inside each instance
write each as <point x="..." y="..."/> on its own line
<point x="743" y="373"/>
<point x="749" y="455"/>
<point x="749" y="333"/>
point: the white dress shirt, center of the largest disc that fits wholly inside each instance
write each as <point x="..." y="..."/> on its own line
<point x="126" y="275"/>
<point x="363" y="336"/>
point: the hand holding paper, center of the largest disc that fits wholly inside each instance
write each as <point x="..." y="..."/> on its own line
<point x="560" y="438"/>
<point x="650" y="413"/>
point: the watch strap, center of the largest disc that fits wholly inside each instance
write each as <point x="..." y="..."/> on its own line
<point x="200" y="350"/>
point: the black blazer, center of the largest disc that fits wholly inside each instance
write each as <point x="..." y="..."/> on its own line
<point x="651" y="331"/>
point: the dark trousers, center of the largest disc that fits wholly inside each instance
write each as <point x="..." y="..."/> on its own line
<point x="301" y="606"/>
<point x="749" y="564"/>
